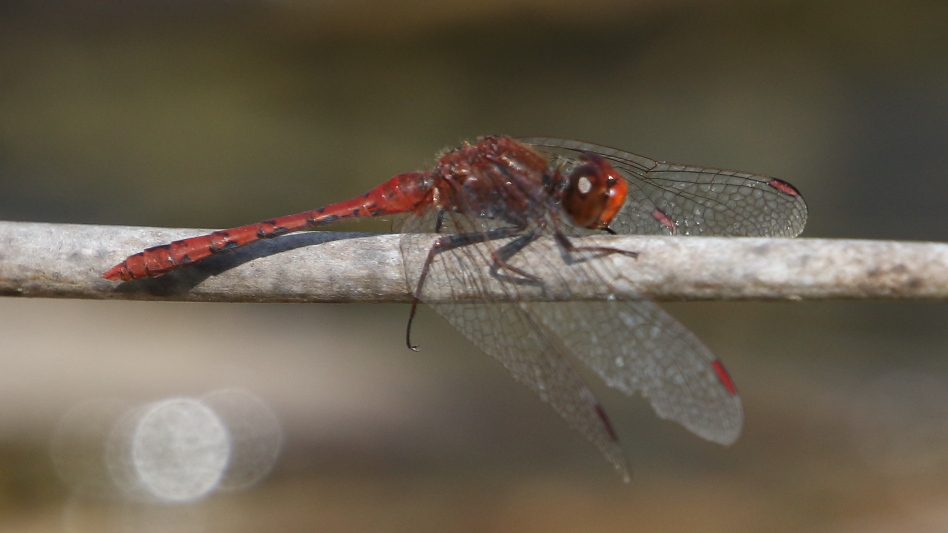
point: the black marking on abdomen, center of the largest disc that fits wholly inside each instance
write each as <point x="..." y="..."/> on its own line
<point x="275" y="231"/>
<point x="227" y="243"/>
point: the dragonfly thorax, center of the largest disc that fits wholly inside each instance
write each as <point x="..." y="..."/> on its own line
<point x="495" y="178"/>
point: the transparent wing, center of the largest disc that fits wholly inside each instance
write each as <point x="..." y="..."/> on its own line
<point x="529" y="349"/>
<point x="634" y="346"/>
<point x="673" y="199"/>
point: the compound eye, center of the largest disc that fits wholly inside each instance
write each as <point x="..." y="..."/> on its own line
<point x="583" y="185"/>
<point x="595" y="193"/>
<point x="585" y="195"/>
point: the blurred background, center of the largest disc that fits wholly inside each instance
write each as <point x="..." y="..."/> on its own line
<point x="221" y="113"/>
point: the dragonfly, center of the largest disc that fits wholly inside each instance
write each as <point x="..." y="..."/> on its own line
<point x="490" y="200"/>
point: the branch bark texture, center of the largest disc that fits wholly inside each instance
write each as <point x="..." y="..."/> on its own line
<point x="67" y="261"/>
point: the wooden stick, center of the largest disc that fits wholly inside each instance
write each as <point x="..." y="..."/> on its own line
<point x="67" y="261"/>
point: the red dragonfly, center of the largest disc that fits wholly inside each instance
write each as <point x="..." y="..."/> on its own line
<point x="490" y="200"/>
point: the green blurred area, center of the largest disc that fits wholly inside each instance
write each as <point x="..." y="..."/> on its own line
<point x="215" y="114"/>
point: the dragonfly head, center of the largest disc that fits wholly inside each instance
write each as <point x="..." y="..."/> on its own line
<point x="594" y="193"/>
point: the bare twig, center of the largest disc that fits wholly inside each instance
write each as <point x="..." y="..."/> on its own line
<point x="67" y="261"/>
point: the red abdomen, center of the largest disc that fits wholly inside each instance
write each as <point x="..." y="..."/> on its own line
<point x="401" y="194"/>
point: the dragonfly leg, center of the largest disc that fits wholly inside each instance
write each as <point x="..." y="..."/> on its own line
<point x="450" y="242"/>
<point x="505" y="252"/>
<point x="568" y="246"/>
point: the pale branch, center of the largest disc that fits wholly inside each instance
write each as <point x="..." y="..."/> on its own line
<point x="67" y="261"/>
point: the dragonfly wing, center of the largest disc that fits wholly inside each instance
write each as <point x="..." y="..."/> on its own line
<point x="673" y="199"/>
<point x="529" y="350"/>
<point x="635" y="346"/>
<point x="504" y="329"/>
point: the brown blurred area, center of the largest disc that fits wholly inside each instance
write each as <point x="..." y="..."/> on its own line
<point x="216" y="113"/>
